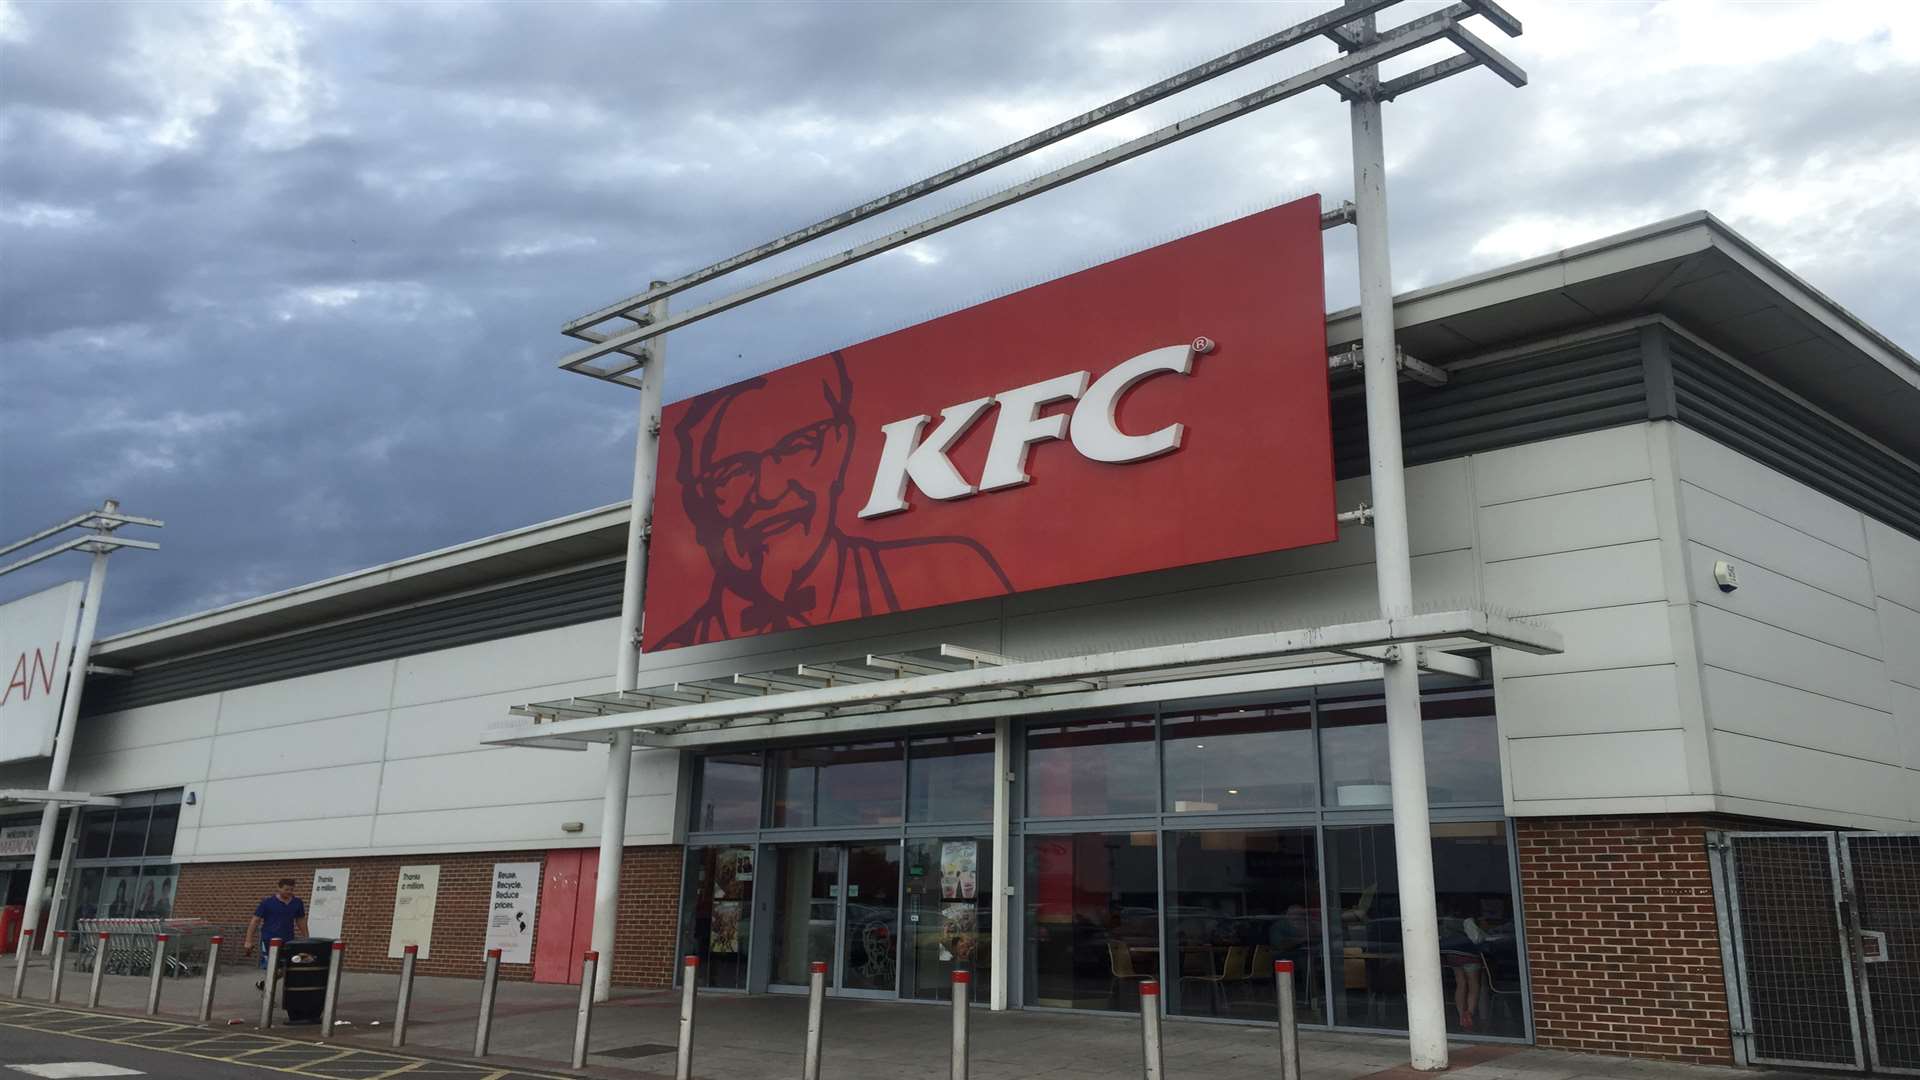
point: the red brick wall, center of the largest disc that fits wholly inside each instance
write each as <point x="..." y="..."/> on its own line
<point x="1623" y="944"/>
<point x="649" y="902"/>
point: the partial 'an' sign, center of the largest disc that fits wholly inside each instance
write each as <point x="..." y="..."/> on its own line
<point x="36" y="643"/>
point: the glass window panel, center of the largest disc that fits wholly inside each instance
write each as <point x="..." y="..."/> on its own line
<point x="155" y="894"/>
<point x="1458" y="732"/>
<point x="871" y="948"/>
<point x="96" y="834"/>
<point x="950" y="777"/>
<point x="729" y="786"/>
<point x="1091" y="768"/>
<point x="806" y="911"/>
<point x="949" y="913"/>
<point x="1093" y="915"/>
<point x="717" y="924"/>
<point x="86" y="895"/>
<point x="166" y="821"/>
<point x="1479" y="949"/>
<point x="118" y="891"/>
<point x="1241" y="900"/>
<point x="854" y="784"/>
<point x="129" y="832"/>
<point x="1258" y="758"/>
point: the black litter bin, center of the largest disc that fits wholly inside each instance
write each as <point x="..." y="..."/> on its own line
<point x="303" y="984"/>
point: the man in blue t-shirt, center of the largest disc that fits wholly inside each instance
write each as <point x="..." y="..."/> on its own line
<point x="280" y="915"/>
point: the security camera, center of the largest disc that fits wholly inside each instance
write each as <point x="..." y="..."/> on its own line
<point x="1725" y="575"/>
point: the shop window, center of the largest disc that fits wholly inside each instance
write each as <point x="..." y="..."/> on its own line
<point x="1238" y="901"/>
<point x="718" y="914"/>
<point x="165" y="823"/>
<point x="950" y="777"/>
<point x="1479" y="950"/>
<point x="1091" y="768"/>
<point x="1458" y="731"/>
<point x="854" y="784"/>
<point x="1093" y="919"/>
<point x="1239" y="759"/>
<point x="96" y="834"/>
<point x="729" y="799"/>
<point x="949" y="906"/>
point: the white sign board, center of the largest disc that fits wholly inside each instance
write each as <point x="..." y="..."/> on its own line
<point x="16" y="841"/>
<point x="36" y="641"/>
<point x="327" y="903"/>
<point x="414" y="897"/>
<point x="516" y="899"/>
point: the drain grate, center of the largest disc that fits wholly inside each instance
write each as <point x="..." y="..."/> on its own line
<point x="640" y="1051"/>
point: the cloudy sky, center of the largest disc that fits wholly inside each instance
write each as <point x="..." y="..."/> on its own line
<point x="290" y="276"/>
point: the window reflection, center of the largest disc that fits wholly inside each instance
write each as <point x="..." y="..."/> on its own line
<point x="729" y="788"/>
<point x="950" y="777"/>
<point x="855" y="784"/>
<point x="1239" y="759"/>
<point x="1091" y="768"/>
<point x="1240" y="901"/>
<point x="717" y="922"/>
<point x="1459" y="734"/>
<point x="1093" y="914"/>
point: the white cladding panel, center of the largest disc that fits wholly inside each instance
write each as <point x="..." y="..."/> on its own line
<point x="1801" y="664"/>
<point x="316" y="744"/>
<point x="360" y="689"/>
<point x="1614" y="765"/>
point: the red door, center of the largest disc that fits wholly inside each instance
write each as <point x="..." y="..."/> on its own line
<point x="566" y="915"/>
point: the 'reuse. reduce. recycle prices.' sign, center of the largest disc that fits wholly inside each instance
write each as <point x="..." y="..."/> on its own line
<point x="36" y="643"/>
<point x="516" y="903"/>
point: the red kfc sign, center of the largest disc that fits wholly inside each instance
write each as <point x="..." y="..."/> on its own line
<point x="1164" y="409"/>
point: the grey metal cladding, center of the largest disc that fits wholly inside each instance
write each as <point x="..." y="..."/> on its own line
<point x="1564" y="391"/>
<point x="1732" y="407"/>
<point x="541" y="604"/>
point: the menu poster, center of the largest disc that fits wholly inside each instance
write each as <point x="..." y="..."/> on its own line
<point x="516" y="899"/>
<point x="414" y="898"/>
<point x="725" y="935"/>
<point x="327" y="903"/>
<point x="959" y="869"/>
<point x="959" y="932"/>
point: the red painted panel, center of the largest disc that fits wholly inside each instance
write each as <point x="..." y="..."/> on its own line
<point x="553" y="938"/>
<point x="583" y="912"/>
<point x="757" y="523"/>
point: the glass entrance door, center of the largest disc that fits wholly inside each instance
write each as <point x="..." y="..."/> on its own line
<point x="839" y="903"/>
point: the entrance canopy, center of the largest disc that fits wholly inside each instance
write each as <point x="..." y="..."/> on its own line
<point x="948" y="683"/>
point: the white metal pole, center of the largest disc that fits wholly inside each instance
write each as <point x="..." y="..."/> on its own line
<point x="1000" y="949"/>
<point x="63" y="737"/>
<point x="61" y="876"/>
<point x="613" y="807"/>
<point x="1406" y="757"/>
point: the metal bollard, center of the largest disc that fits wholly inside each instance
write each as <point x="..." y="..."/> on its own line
<point x="488" y="983"/>
<point x="213" y="974"/>
<point x="1289" y="1023"/>
<point x="683" y="1063"/>
<point x="408" y="957"/>
<point x="816" y="1004"/>
<point x="159" y="970"/>
<point x="1156" y="1066"/>
<point x="59" y="966"/>
<point x="266" y="984"/>
<point x="99" y="970"/>
<point x="583" y="1027"/>
<point x="333" y="988"/>
<point x="962" y="988"/>
<point x="20" y="963"/>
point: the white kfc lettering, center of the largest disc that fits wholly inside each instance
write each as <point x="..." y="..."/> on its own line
<point x="1092" y="428"/>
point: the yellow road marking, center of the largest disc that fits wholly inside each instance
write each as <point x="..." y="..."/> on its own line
<point x="335" y="1056"/>
<point x="408" y="1067"/>
<point x="279" y="1044"/>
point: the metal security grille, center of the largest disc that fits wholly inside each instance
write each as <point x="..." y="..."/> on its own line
<point x="1884" y="871"/>
<point x="1822" y="934"/>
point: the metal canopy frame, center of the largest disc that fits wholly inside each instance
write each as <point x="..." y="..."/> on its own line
<point x="945" y="683"/>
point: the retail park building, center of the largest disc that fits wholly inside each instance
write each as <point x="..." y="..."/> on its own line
<point x="1624" y="425"/>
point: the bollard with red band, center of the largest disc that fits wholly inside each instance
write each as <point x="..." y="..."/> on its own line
<point x="59" y="966"/>
<point x="489" y="981"/>
<point x="962" y="990"/>
<point x="335" y="959"/>
<point x="159" y="971"/>
<point x="20" y="962"/>
<point x="100" y="946"/>
<point x="1289" y="1023"/>
<point x="408" y="957"/>
<point x="689" y="979"/>
<point x="1155" y="1061"/>
<point x="583" y="1027"/>
<point x="213" y="974"/>
<point x="816" y="1002"/>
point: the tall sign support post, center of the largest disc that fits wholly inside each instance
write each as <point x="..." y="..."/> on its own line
<point x="1393" y="572"/>
<point x="100" y="542"/>
<point x="1355" y="76"/>
<point x="613" y="809"/>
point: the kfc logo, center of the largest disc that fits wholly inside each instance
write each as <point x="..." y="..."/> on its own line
<point x="1094" y="430"/>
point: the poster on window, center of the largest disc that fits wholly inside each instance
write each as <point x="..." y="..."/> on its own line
<point x="959" y="869"/>
<point x="725" y="938"/>
<point x="414" y="898"/>
<point x="959" y="932"/>
<point x="155" y="896"/>
<point x="17" y="841"/>
<point x="516" y="900"/>
<point x="327" y="903"/>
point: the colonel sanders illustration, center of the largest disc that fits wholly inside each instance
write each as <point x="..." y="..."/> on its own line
<point x="768" y="517"/>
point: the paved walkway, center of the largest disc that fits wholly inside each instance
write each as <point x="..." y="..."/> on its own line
<point x="761" y="1037"/>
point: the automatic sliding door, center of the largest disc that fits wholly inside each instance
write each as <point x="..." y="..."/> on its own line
<point x="871" y="938"/>
<point x="808" y="911"/>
